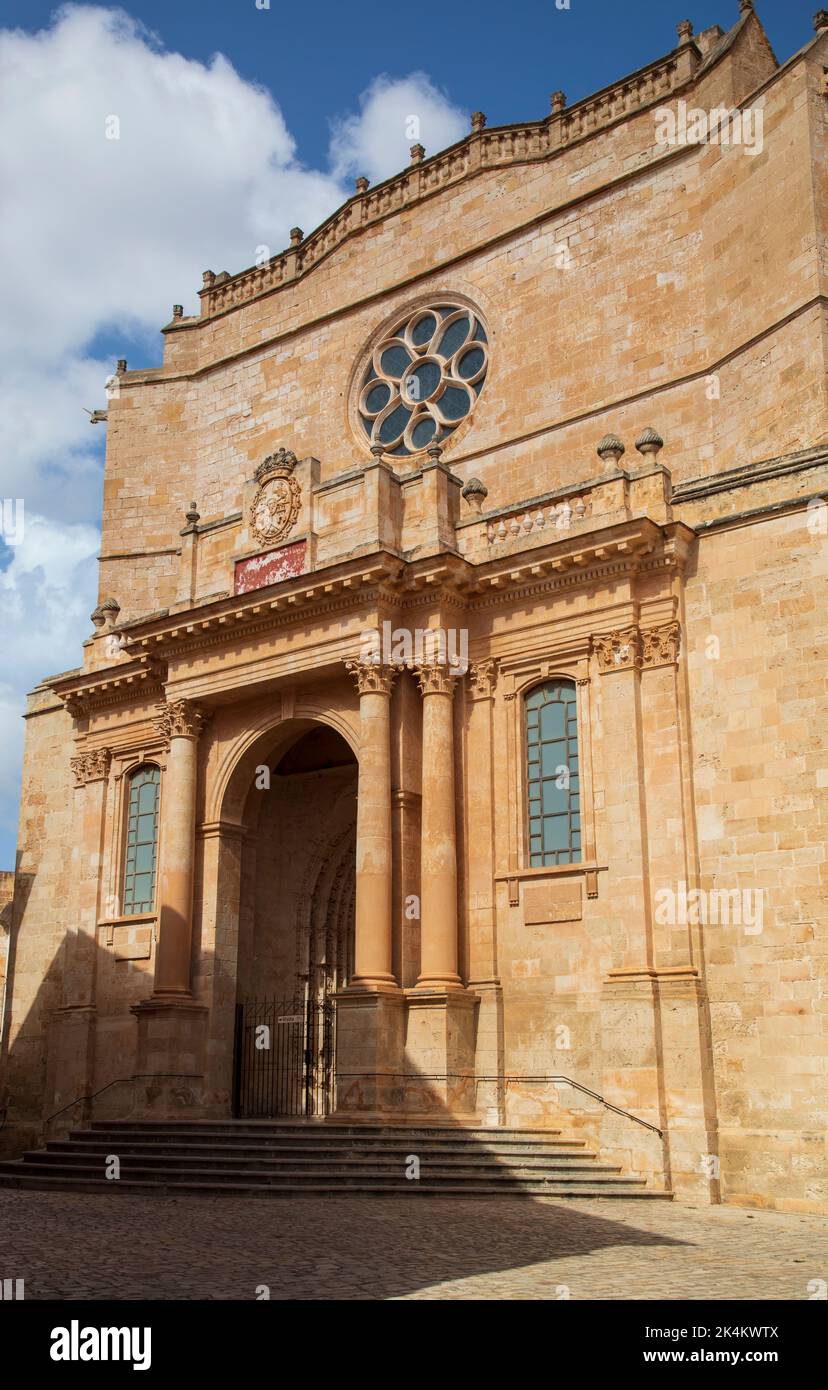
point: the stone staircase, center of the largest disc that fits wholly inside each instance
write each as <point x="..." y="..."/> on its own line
<point x="290" y="1159"/>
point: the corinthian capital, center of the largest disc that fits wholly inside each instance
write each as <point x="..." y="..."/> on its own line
<point x="434" y="678"/>
<point x="660" y="645"/>
<point x="483" y="678"/>
<point x="618" y="651"/>
<point x="91" y="767"/>
<point x="372" y="677"/>
<point x="180" y="719"/>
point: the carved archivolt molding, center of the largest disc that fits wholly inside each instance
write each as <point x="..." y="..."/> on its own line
<point x="278" y="498"/>
<point x="92" y="766"/>
<point x="483" y="679"/>
<point x="180" y="719"/>
<point x="434" y="679"/>
<point x="373" y="677"/>
<point x="633" y="647"/>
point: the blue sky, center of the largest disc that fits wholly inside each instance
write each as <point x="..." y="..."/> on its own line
<point x="101" y="239"/>
<point x="503" y="59"/>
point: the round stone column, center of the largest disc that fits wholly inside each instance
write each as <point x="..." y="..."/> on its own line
<point x="373" y="935"/>
<point x="181" y="721"/>
<point x="438" y="854"/>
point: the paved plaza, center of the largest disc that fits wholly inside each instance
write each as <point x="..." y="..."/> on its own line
<point x="126" y="1247"/>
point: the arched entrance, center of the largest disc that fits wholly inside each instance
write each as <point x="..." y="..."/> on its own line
<point x="296" y="923"/>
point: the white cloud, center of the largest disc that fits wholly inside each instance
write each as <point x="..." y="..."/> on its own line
<point x="102" y="236"/>
<point x="109" y="231"/>
<point x="394" y="114"/>
<point x="47" y="592"/>
<point x="49" y="448"/>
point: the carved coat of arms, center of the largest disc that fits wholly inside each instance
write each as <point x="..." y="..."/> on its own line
<point x="275" y="506"/>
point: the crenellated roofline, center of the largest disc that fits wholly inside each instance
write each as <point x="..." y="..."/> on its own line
<point x="482" y="149"/>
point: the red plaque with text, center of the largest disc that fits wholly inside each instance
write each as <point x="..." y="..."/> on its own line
<point x="257" y="571"/>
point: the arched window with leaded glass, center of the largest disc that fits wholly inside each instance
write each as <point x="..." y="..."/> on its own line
<point x="553" y="774"/>
<point x="141" y="848"/>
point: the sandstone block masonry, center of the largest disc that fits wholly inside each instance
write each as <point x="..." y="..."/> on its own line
<point x="580" y="882"/>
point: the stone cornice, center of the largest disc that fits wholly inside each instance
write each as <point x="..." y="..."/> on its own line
<point x="749" y="474"/>
<point x="85" y="691"/>
<point x="334" y="589"/>
<point x="384" y="581"/>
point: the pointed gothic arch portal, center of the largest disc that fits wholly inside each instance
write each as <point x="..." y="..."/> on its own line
<point x="296" y="923"/>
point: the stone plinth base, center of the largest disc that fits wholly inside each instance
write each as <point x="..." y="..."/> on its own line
<point x="370" y="1031"/>
<point x="71" y="1068"/>
<point x="439" y="1051"/>
<point x="653" y="1043"/>
<point x="170" y="1058"/>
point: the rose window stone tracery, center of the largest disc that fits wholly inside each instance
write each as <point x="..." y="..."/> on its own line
<point x="423" y="378"/>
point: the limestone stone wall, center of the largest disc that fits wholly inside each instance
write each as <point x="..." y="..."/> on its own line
<point x="626" y="261"/>
<point x="6" y="898"/>
<point x="46" y="860"/>
<point x="758" y="659"/>
<point x="622" y="285"/>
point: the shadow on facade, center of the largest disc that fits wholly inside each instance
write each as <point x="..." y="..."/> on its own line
<point x="415" y="1242"/>
<point x="72" y="1054"/>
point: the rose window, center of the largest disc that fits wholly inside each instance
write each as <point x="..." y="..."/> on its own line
<point x="423" y="378"/>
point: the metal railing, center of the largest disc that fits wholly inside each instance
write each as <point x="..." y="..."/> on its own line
<point x="120" y="1081"/>
<point x="497" y="1080"/>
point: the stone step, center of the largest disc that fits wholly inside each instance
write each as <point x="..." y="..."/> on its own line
<point x="396" y="1174"/>
<point x="38" y="1182"/>
<point x="301" y="1159"/>
<point x="84" y="1143"/>
<point x="303" y="1129"/>
<point x="340" y="1162"/>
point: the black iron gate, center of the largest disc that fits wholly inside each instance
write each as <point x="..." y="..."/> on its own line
<point x="284" y="1058"/>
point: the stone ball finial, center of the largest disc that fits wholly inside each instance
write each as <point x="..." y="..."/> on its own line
<point x="820" y="21"/>
<point x="192" y="514"/>
<point x="611" y="449"/>
<point x="296" y="236"/>
<point x="106" y="613"/>
<point x="649" y="442"/>
<point x="435" y="452"/>
<point x="478" y="121"/>
<point x="122" y="364"/>
<point x="475" y="493"/>
<point x="178" y="311"/>
<point x="207" y="278"/>
<point x="362" y="184"/>
<point x="684" y="30"/>
<point x="377" y="450"/>
<point x="557" y="102"/>
<point x="417" y="154"/>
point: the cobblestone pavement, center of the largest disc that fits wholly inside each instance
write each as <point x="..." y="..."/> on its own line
<point x="125" y="1247"/>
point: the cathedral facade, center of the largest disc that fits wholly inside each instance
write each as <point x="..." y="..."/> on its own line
<point x="453" y="714"/>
